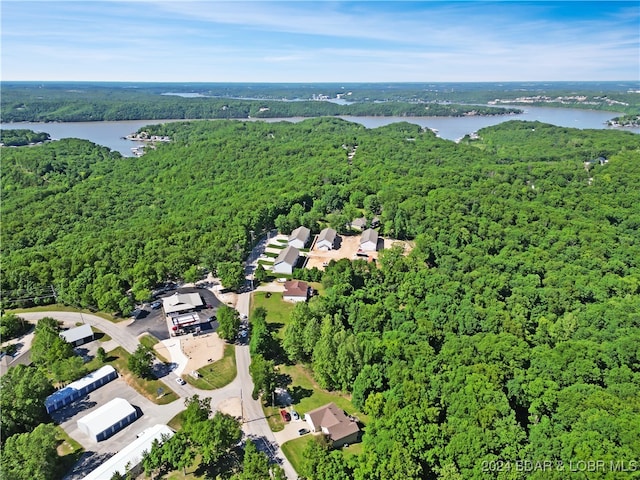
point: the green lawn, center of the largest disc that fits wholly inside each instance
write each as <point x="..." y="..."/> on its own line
<point x="217" y="374"/>
<point x="278" y="246"/>
<point x="293" y="450"/>
<point x="150" y="341"/>
<point x="307" y="395"/>
<point x="118" y="358"/>
<point x="278" y="311"/>
<point x="68" y="449"/>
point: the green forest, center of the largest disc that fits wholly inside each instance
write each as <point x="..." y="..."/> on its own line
<point x="95" y="102"/>
<point x="510" y="332"/>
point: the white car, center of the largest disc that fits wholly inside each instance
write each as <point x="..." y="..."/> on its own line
<point x="180" y="381"/>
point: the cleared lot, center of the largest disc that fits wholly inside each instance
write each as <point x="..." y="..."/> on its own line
<point x="347" y="247"/>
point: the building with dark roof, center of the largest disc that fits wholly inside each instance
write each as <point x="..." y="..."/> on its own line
<point x="295" y="291"/>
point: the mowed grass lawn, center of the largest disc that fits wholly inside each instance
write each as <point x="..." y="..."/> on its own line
<point x="278" y="311"/>
<point x="307" y="395"/>
<point x="118" y="358"/>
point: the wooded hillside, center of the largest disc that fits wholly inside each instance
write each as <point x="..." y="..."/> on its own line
<point x="510" y="332"/>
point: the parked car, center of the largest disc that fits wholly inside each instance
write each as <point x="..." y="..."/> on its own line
<point x="285" y="415"/>
<point x="303" y="431"/>
<point x="295" y="415"/>
<point x="156" y="305"/>
<point x="180" y="381"/>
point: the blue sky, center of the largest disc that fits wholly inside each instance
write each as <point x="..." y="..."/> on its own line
<point x="319" y="41"/>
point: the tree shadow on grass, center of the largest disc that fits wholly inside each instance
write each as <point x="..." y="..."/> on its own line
<point x="298" y="393"/>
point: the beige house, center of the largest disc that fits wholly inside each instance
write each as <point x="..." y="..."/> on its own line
<point x="333" y="422"/>
<point x="286" y="261"/>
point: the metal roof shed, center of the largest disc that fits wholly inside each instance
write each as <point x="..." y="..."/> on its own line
<point x="78" y="335"/>
<point x="108" y="419"/>
<point x="80" y="388"/>
<point x="131" y="455"/>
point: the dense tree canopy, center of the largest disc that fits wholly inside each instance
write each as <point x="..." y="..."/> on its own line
<point x="510" y="330"/>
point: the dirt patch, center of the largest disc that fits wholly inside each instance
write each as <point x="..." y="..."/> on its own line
<point x="201" y="350"/>
<point x="162" y="351"/>
<point x="348" y="248"/>
<point x="231" y="406"/>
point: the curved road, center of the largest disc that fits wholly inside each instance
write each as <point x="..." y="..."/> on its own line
<point x="255" y="424"/>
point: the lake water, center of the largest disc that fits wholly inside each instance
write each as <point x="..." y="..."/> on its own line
<point x="111" y="134"/>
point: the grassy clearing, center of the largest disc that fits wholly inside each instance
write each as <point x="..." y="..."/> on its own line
<point x="118" y="358"/>
<point x="100" y="335"/>
<point x="293" y="450"/>
<point x="56" y="307"/>
<point x="278" y="311"/>
<point x="217" y="374"/>
<point x="278" y="246"/>
<point x="68" y="450"/>
<point x="307" y="395"/>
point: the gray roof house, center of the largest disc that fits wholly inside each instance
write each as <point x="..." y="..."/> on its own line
<point x="326" y="239"/>
<point x="369" y="240"/>
<point x="299" y="237"/>
<point x="286" y="261"/>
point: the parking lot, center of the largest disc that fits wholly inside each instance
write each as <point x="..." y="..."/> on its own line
<point x="149" y="414"/>
<point x="153" y="321"/>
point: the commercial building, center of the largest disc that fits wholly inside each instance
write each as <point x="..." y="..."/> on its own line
<point x="129" y="459"/>
<point x="78" y="335"/>
<point x="108" y="419"/>
<point x="181" y="309"/>
<point x="80" y="388"/>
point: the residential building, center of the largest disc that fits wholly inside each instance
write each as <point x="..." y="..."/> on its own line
<point x="286" y="261"/>
<point x="369" y="240"/>
<point x="295" y="291"/>
<point x="326" y="239"/>
<point x="332" y="421"/>
<point x="299" y="237"/>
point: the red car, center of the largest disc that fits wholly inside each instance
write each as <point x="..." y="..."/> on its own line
<point x="285" y="415"/>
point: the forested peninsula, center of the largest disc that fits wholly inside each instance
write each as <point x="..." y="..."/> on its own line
<point x="511" y="331"/>
<point x="82" y="103"/>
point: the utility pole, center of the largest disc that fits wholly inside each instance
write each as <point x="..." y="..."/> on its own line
<point x="241" y="407"/>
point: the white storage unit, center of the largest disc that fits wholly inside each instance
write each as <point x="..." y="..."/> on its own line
<point x="108" y="419"/>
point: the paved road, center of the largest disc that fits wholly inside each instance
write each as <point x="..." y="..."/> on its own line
<point x="255" y="425"/>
